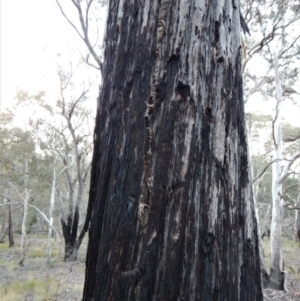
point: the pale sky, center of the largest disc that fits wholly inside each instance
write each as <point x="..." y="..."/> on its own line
<point x="33" y="32"/>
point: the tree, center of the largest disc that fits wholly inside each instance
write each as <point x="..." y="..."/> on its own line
<point x="66" y="136"/>
<point x="51" y="209"/>
<point x="24" y="175"/>
<point x="171" y="205"/>
<point x="279" y="51"/>
<point x="297" y="220"/>
<point x="76" y="141"/>
<point x="9" y="223"/>
<point x="84" y="10"/>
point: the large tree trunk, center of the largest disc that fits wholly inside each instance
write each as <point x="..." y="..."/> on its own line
<point x="173" y="214"/>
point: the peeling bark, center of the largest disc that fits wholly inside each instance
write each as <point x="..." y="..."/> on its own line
<point x="173" y="214"/>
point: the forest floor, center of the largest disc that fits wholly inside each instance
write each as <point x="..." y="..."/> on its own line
<point x="36" y="280"/>
<point x="291" y="259"/>
<point x="61" y="281"/>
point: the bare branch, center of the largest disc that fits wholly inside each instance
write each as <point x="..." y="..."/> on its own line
<point x="289" y="187"/>
<point x="87" y="15"/>
<point x="290" y="46"/>
<point x="38" y="210"/>
<point x="287" y="167"/>
<point x="84" y="27"/>
<point x="291" y="138"/>
<point x="264" y="170"/>
<point x="70" y="22"/>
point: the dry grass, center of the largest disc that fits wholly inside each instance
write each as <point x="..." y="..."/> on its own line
<point x="37" y="281"/>
<point x="290" y="255"/>
<point x="60" y="281"/>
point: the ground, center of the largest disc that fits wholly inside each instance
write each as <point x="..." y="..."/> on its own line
<point x="36" y="280"/>
<point x="60" y="281"/>
<point x="291" y="261"/>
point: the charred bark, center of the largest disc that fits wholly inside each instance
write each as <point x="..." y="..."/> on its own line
<point x="10" y="225"/>
<point x="173" y="215"/>
<point x="70" y="235"/>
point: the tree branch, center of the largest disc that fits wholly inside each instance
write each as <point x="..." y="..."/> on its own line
<point x="38" y="210"/>
<point x="287" y="167"/>
<point x="70" y="22"/>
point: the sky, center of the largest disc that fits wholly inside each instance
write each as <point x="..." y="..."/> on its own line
<point x="33" y="33"/>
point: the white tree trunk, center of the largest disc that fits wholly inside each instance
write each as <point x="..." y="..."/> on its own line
<point x="277" y="209"/>
<point x="51" y="208"/>
<point x="25" y="211"/>
<point x="279" y="174"/>
<point x="23" y="239"/>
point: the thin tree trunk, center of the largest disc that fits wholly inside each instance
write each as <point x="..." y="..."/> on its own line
<point x="10" y="222"/>
<point x="5" y="232"/>
<point x="23" y="238"/>
<point x="70" y="235"/>
<point x="297" y="220"/>
<point x="9" y="226"/>
<point x="25" y="211"/>
<point x="171" y="193"/>
<point x="266" y="222"/>
<point x="264" y="273"/>
<point x="51" y="208"/>
<point x="276" y="277"/>
<point x="297" y="213"/>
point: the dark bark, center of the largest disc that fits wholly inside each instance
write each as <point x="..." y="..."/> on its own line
<point x="70" y="229"/>
<point x="4" y="234"/>
<point x="10" y="226"/>
<point x="173" y="214"/>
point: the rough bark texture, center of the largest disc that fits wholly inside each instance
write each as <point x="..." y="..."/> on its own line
<point x="173" y="214"/>
<point x="70" y="235"/>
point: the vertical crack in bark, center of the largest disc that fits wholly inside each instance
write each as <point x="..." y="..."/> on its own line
<point x="147" y="179"/>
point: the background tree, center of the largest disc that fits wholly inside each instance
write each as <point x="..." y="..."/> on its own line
<point x="171" y="196"/>
<point x="271" y="21"/>
<point x="66" y="135"/>
<point x="86" y="24"/>
<point x="24" y="178"/>
<point x="59" y="132"/>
